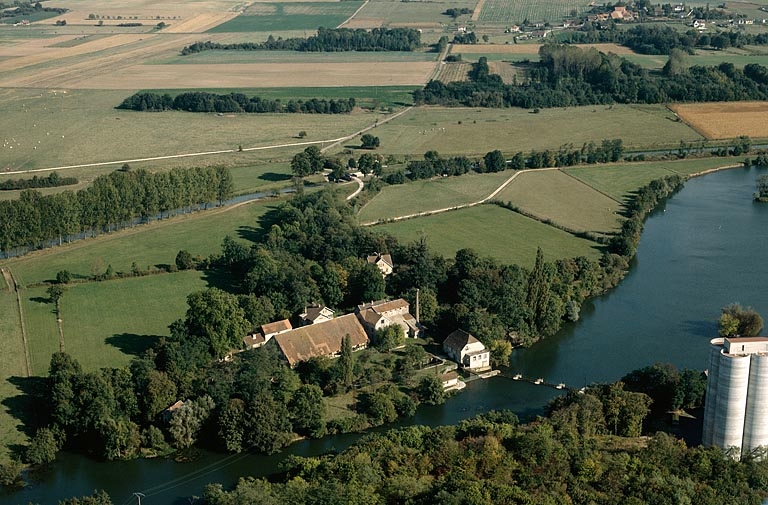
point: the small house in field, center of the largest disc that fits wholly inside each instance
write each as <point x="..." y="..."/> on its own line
<point x="383" y="261"/>
<point x="321" y="339"/>
<point x="316" y="314"/>
<point x="380" y="314"/>
<point x="467" y="351"/>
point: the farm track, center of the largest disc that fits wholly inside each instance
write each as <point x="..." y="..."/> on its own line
<point x="10" y="280"/>
<point x="350" y="18"/>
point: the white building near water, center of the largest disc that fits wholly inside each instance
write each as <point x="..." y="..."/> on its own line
<point x="736" y="410"/>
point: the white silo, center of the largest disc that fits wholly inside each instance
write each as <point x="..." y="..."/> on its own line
<point x="710" y="405"/>
<point x="756" y="418"/>
<point x="733" y="383"/>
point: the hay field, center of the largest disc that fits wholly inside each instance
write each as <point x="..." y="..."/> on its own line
<point x="554" y="195"/>
<point x="726" y="119"/>
<point x="81" y="127"/>
<point x="505" y="70"/>
<point x="265" y="17"/>
<point x="492" y="231"/>
<point x="473" y="131"/>
<point x="259" y="76"/>
<point x="274" y="57"/>
<point x="413" y="14"/>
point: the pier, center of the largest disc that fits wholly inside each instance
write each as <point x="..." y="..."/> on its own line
<point x="537" y="381"/>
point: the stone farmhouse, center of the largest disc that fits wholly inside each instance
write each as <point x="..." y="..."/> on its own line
<point x="268" y="331"/>
<point x="383" y="261"/>
<point x="380" y="314"/>
<point x="467" y="351"/>
<point x="316" y="314"/>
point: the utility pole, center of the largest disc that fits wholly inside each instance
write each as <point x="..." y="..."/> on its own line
<point x="139" y="496"/>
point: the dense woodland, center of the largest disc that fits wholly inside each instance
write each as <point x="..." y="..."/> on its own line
<point x="112" y="201"/>
<point x="201" y="101"/>
<point x="570" y="76"/>
<point x="326" y="40"/>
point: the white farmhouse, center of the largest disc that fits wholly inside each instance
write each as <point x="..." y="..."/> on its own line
<point x="467" y="351"/>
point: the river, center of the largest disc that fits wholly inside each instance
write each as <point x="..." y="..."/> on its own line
<point x="701" y="250"/>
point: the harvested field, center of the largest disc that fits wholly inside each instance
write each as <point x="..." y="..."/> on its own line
<point x="505" y="70"/>
<point x="367" y="23"/>
<point x="256" y="76"/>
<point x="531" y="48"/>
<point x="556" y="196"/>
<point x="200" y="23"/>
<point x="453" y="71"/>
<point x="726" y="119"/>
<point x="225" y="57"/>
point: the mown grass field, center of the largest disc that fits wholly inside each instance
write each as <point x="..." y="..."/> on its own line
<point x="391" y="12"/>
<point x="432" y="194"/>
<point x="11" y="365"/>
<point x="107" y="323"/>
<point x="263" y="17"/>
<point x="156" y="243"/>
<point x="515" y="11"/>
<point x="473" y="131"/>
<point x="556" y="196"/>
<point x="620" y="180"/>
<point x="45" y="130"/>
<point x="492" y="231"/>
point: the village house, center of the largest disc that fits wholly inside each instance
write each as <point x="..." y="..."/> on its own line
<point x="380" y="314"/>
<point x="467" y="351"/>
<point x="268" y="331"/>
<point x="321" y="339"/>
<point x="383" y="261"/>
<point x="316" y="314"/>
<point x="168" y="413"/>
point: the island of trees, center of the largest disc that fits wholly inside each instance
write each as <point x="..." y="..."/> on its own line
<point x="326" y="40"/>
<point x="201" y="101"/>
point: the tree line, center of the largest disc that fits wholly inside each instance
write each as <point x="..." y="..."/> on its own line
<point x="570" y="76"/>
<point x="661" y="39"/>
<point x="326" y="40"/>
<point x="52" y="180"/>
<point x="201" y="101"/>
<point x="113" y="200"/>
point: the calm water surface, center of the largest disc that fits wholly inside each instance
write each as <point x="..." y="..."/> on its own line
<point x="704" y="249"/>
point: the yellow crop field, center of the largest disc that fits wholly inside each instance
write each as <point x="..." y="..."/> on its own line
<point x="726" y="119"/>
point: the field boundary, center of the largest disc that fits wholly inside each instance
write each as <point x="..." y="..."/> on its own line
<point x="353" y="14"/>
<point x="566" y="172"/>
<point x="11" y="281"/>
<point x="476" y="10"/>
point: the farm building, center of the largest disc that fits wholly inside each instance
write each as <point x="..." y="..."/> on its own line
<point x="268" y="331"/>
<point x="321" y="339"/>
<point x="467" y="351"/>
<point x="316" y="314"/>
<point x="377" y="315"/>
<point x="383" y="261"/>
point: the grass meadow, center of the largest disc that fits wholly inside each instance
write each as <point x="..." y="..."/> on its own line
<point x="431" y="194"/>
<point x="556" y="196"/>
<point x="264" y="17"/>
<point x="155" y="243"/>
<point x="472" y="131"/>
<point x="492" y="231"/>
<point x="82" y="126"/>
<point x="106" y="323"/>
<point x="391" y="12"/>
<point x="620" y="180"/>
<point x="11" y="365"/>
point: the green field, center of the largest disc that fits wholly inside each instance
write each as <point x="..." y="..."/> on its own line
<point x="620" y="180"/>
<point x="11" y="369"/>
<point x="566" y="201"/>
<point x="264" y="17"/>
<point x="432" y="194"/>
<point x="82" y="126"/>
<point x="156" y="243"/>
<point x="474" y="131"/>
<point x="394" y="12"/>
<point x="515" y="11"/>
<point x="491" y="231"/>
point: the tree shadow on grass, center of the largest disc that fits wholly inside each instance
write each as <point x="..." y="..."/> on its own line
<point x="275" y="177"/>
<point x="221" y="278"/>
<point x="130" y="343"/>
<point x="29" y="406"/>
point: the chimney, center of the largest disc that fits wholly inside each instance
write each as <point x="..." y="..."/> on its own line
<point x="417" y="305"/>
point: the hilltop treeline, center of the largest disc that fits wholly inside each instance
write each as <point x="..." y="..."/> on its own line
<point x="201" y="101"/>
<point x="326" y="40"/>
<point x="661" y="39"/>
<point x="569" y="76"/>
<point x="112" y="200"/>
<point x="50" y="181"/>
<point x="26" y="9"/>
